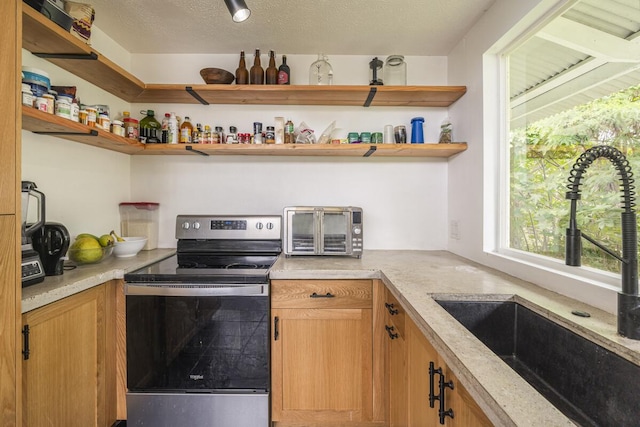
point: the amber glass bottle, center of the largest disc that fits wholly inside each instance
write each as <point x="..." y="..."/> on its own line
<point x="242" y="74"/>
<point x="257" y="72"/>
<point x="271" y="75"/>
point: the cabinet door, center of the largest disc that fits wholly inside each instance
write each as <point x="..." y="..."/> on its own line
<point x="466" y="411"/>
<point x="419" y="354"/>
<point x="67" y="376"/>
<point x="322" y="365"/>
<point x="397" y="384"/>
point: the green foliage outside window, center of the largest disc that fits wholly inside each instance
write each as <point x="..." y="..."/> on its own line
<point x="541" y="156"/>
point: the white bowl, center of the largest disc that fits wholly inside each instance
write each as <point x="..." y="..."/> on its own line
<point x="130" y="247"/>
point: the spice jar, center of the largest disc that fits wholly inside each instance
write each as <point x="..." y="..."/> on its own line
<point x="50" y="100"/>
<point x="27" y="95"/>
<point x="92" y="116"/>
<point x="117" y="128"/>
<point x="131" y="128"/>
<point x="270" y="135"/>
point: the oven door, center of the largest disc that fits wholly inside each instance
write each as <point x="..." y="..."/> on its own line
<point x="202" y="350"/>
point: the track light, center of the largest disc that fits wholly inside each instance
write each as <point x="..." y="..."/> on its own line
<point x="238" y="10"/>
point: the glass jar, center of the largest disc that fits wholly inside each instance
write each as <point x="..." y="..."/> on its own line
<point x="395" y="71"/>
<point x="321" y="72"/>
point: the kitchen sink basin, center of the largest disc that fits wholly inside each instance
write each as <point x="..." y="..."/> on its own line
<point x="588" y="383"/>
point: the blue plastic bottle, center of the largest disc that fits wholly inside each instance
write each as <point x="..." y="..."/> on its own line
<point x="417" y="135"/>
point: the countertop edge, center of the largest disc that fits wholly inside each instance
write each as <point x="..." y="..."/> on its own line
<point x="84" y="277"/>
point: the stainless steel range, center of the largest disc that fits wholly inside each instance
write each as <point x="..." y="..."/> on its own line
<point x="198" y="326"/>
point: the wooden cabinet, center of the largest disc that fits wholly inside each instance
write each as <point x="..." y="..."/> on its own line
<point x="69" y="377"/>
<point x="396" y="352"/>
<point x="464" y="410"/>
<point x="10" y="216"/>
<point x="44" y="38"/>
<point x="323" y="353"/>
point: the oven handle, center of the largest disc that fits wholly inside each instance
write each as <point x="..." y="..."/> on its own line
<point x="194" y="289"/>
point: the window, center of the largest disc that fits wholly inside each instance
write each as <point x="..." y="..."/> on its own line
<point x="573" y="85"/>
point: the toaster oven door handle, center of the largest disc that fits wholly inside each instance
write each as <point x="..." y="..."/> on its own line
<point x="195" y="289"/>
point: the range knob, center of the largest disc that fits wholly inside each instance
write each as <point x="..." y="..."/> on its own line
<point x="259" y="226"/>
<point x="357" y="231"/>
<point x="196" y="225"/>
<point x="186" y="225"/>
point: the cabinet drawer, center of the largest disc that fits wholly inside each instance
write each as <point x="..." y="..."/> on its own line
<point x="394" y="313"/>
<point x="321" y="293"/>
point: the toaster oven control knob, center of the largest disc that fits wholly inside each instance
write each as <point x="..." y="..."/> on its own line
<point x="357" y="231"/>
<point x="259" y="226"/>
<point x="269" y="226"/>
<point x="186" y="225"/>
<point x="196" y="225"/>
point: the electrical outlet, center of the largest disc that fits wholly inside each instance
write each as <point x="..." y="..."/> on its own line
<point x="454" y="229"/>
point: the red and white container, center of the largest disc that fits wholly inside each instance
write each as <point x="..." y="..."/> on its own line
<point x="140" y="219"/>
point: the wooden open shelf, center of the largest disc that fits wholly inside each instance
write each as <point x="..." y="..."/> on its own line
<point x="44" y="38"/>
<point x="49" y="124"/>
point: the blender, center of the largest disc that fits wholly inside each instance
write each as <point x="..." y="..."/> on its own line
<point x="32" y="268"/>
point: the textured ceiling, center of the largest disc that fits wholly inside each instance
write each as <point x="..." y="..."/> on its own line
<point x="336" y="27"/>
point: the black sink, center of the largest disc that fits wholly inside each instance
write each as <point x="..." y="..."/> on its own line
<point x="589" y="384"/>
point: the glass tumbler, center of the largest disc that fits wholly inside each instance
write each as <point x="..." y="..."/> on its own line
<point x="395" y="71"/>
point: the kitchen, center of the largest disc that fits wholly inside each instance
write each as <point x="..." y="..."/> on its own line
<point x="426" y="193"/>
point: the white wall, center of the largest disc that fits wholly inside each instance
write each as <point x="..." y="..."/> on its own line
<point x="404" y="200"/>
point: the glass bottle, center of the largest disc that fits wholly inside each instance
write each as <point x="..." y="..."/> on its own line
<point x="288" y="132"/>
<point x="186" y="131"/>
<point x="284" y="72"/>
<point x="242" y="74"/>
<point x="257" y="72"/>
<point x="395" y="71"/>
<point x="321" y="72"/>
<point x="271" y="75"/>
<point x="206" y="135"/>
<point x="196" y="135"/>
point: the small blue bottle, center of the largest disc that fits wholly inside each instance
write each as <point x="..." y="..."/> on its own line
<point x="417" y="135"/>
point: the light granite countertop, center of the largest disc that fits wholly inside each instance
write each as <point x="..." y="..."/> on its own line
<point x="86" y="276"/>
<point x="417" y="278"/>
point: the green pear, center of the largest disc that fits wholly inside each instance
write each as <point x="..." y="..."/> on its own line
<point x="85" y="250"/>
<point x="106" y="240"/>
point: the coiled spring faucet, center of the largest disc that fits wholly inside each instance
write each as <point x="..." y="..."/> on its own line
<point x="628" y="297"/>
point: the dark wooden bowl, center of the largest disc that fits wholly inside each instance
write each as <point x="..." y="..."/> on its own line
<point x="216" y="76"/>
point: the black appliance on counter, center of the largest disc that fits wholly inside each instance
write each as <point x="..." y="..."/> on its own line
<point x="198" y="326"/>
<point x="32" y="268"/>
<point x="51" y="243"/>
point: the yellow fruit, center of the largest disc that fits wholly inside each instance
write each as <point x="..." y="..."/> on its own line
<point x="106" y="240"/>
<point x="118" y="238"/>
<point x="85" y="250"/>
<point x="86" y="235"/>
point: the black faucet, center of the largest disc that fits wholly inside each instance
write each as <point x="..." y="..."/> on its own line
<point x="628" y="297"/>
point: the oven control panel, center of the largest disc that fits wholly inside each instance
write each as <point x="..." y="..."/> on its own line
<point x="267" y="227"/>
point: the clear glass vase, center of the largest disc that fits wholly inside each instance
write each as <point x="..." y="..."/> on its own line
<point x="321" y="72"/>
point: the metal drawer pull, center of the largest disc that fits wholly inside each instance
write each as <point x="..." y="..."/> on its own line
<point x="392" y="311"/>
<point x="390" y="329"/>
<point x="327" y="295"/>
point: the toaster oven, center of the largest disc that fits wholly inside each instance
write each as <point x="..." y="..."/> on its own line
<point x="323" y="230"/>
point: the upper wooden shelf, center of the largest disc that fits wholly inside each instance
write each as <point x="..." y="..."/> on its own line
<point x="49" y="124"/>
<point x="45" y="39"/>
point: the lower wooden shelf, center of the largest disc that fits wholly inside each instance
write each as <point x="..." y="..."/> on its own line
<point x="49" y="124"/>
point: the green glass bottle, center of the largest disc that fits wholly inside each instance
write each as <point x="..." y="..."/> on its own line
<point x="150" y="128"/>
